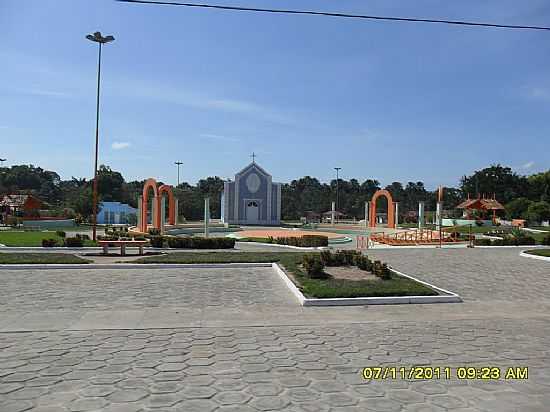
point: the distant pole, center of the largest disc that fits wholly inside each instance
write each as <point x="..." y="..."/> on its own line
<point x="2" y="161"/>
<point x="337" y="179"/>
<point x="178" y="165"/>
<point x="206" y="216"/>
<point x="97" y="38"/>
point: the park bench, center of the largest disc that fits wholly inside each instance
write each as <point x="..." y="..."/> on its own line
<point x="106" y="244"/>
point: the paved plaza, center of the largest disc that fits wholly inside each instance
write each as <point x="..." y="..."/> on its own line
<point x="235" y="339"/>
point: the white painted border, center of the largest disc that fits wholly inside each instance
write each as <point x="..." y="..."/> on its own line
<point x="528" y="255"/>
<point x="133" y="266"/>
<point x="448" y="297"/>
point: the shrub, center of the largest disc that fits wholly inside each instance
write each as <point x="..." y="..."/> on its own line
<point x="49" y="242"/>
<point x="546" y="240"/>
<point x="74" y="242"/>
<point x="156" y="241"/>
<point x="384" y="272"/>
<point x="482" y="242"/>
<point x="313" y="266"/>
<point x="201" y="242"/>
<point x="82" y="236"/>
<point x="304" y="241"/>
<point x="61" y="234"/>
<point x="326" y="257"/>
<point x="154" y="231"/>
<point x="139" y="238"/>
<point x="107" y="237"/>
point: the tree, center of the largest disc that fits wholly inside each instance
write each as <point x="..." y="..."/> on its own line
<point x="517" y="208"/>
<point x="495" y="180"/>
<point x="539" y="186"/>
<point x="538" y="212"/>
<point x="110" y="184"/>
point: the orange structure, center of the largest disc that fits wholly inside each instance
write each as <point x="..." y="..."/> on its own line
<point x="158" y="192"/>
<point x="391" y="208"/>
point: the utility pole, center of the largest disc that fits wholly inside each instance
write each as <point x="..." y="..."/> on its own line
<point x="100" y="40"/>
<point x="337" y="180"/>
<point x="178" y="164"/>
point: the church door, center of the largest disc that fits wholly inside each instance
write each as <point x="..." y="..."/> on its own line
<point x="252" y="212"/>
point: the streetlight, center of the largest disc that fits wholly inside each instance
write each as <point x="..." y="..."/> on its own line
<point x="337" y="179"/>
<point x="2" y="161"/>
<point x="99" y="39"/>
<point x="178" y="164"/>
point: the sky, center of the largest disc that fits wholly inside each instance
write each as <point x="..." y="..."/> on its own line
<point x="382" y="100"/>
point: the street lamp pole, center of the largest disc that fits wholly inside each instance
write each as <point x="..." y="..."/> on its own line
<point x="178" y="164"/>
<point x="100" y="40"/>
<point x="337" y="180"/>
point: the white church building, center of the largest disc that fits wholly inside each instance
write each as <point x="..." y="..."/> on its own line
<point x="252" y="199"/>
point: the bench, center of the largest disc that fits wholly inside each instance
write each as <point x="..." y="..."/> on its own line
<point x="122" y="244"/>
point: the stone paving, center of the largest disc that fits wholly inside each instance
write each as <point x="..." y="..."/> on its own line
<point x="310" y="367"/>
<point x="103" y="289"/>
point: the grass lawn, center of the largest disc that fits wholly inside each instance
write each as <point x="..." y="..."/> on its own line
<point x="318" y="288"/>
<point x="29" y="239"/>
<point x="539" y="252"/>
<point x="35" y="258"/>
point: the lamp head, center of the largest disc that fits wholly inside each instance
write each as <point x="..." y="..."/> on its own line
<point x="98" y="38"/>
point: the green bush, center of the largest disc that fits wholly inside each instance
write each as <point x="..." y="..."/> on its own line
<point x="303" y="241"/>
<point x="107" y="237"/>
<point x="60" y="233"/>
<point x="201" y="242"/>
<point x="154" y="231"/>
<point x="156" y="241"/>
<point x="546" y="240"/>
<point x="82" y="236"/>
<point x="49" y="242"/>
<point x="313" y="266"/>
<point x="74" y="242"/>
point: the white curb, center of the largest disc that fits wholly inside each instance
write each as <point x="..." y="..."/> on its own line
<point x="448" y="297"/>
<point x="133" y="266"/>
<point x="529" y="255"/>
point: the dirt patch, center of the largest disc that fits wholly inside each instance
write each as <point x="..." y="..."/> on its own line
<point x="349" y="273"/>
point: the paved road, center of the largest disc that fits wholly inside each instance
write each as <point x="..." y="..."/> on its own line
<point x="158" y="340"/>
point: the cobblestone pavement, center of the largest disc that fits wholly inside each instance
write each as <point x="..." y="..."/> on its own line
<point x="103" y="289"/>
<point x="300" y="368"/>
<point x="475" y="274"/>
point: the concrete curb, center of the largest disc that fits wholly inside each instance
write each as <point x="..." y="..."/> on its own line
<point x="133" y="266"/>
<point x="448" y="297"/>
<point x="528" y="255"/>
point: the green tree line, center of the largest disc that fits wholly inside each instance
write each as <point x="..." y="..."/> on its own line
<point x="523" y="196"/>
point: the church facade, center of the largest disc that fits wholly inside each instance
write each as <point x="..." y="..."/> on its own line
<point x="252" y="198"/>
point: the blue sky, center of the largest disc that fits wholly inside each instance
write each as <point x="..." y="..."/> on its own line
<point x="390" y="101"/>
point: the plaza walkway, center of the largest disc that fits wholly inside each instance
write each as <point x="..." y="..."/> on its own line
<point x="234" y="339"/>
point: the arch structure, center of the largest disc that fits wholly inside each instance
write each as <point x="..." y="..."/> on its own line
<point x="391" y="208"/>
<point x="158" y="193"/>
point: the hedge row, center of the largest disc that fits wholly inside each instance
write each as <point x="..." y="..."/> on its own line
<point x="76" y="241"/>
<point x="193" y="242"/>
<point x="524" y="240"/>
<point x="303" y="241"/>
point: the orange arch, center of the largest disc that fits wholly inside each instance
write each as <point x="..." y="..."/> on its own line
<point x="171" y="202"/>
<point x="150" y="184"/>
<point x="391" y="208"/>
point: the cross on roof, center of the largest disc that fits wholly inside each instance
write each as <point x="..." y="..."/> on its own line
<point x="253" y="156"/>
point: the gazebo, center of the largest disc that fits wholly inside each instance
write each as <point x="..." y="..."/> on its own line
<point x="483" y="204"/>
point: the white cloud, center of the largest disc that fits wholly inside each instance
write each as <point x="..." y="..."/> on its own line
<point x="528" y="165"/>
<point x="540" y="93"/>
<point x="120" y="145"/>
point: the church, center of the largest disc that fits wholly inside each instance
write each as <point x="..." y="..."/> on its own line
<point x="252" y="199"/>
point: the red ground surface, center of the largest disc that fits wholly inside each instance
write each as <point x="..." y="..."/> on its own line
<point x="284" y="233"/>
